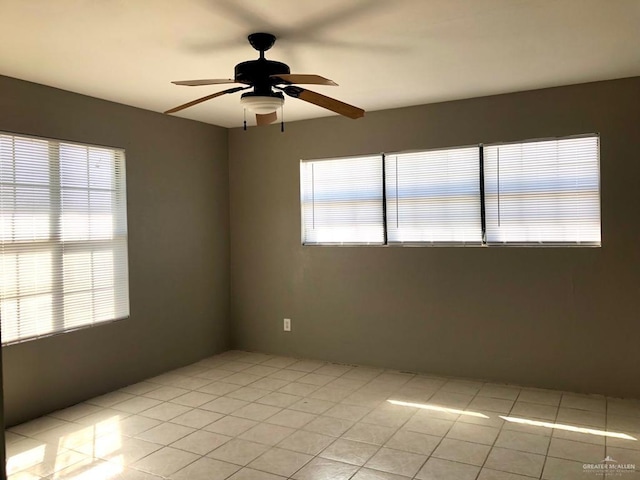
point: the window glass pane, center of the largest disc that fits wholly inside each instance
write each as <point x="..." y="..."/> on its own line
<point x="543" y="192"/>
<point x="342" y="201"/>
<point x="434" y="196"/>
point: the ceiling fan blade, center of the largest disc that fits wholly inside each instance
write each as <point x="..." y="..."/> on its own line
<point x="204" y="99"/>
<point x="197" y="83"/>
<point x="266" y="119"/>
<point x="325" y="102"/>
<point x="304" y="79"/>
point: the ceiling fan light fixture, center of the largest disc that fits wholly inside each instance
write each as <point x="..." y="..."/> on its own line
<point x="261" y="104"/>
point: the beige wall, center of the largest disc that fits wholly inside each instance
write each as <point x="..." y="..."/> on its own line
<point x="177" y="187"/>
<point x="550" y="317"/>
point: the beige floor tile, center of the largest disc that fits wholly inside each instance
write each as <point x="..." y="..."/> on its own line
<point x="397" y="462"/>
<point x="298" y="389"/>
<point x="224" y="405"/>
<point x="347" y="412"/>
<point x="364" y="432"/>
<point x="280" y="462"/>
<point x="334" y="427"/>
<point x="242" y="378"/>
<point x="545" y="397"/>
<point x="135" y="424"/>
<point x="462" y="386"/>
<point x="165" y="433"/>
<point x="166" y="393"/>
<point x="389" y="416"/>
<point x="624" y="455"/>
<point x="260" y="370"/>
<point x="583" y="437"/>
<point x="524" y="442"/>
<point x="534" y="411"/>
<point x="219" y="389"/>
<point x="165" y="411"/>
<point x="270" y="383"/>
<point x="368" y="474"/>
<point x="256" y="411"/>
<point x="306" y="442"/>
<point x="206" y="469"/>
<point x="291" y="418"/>
<point x="429" y="426"/>
<point x="324" y="469"/>
<point x="312" y="405"/>
<point x="239" y="452"/>
<point x="576" y="451"/>
<point x="473" y="433"/>
<point x="248" y="394"/>
<point x="201" y="442"/>
<point x="251" y="474"/>
<point x="267" y="434"/>
<point x="289" y="375"/>
<point x="348" y="451"/>
<point x="463" y="452"/>
<point x="413" y="442"/>
<point x="623" y="423"/>
<point x="316" y="379"/>
<point x="279" y="362"/>
<point x="581" y="418"/>
<point x="166" y="461"/>
<point x="306" y="365"/>
<point x="505" y="392"/>
<point x="330" y="394"/>
<point x="491" y="404"/>
<point x="136" y="404"/>
<point x="197" y="418"/>
<point x="231" y="426"/>
<point x="489" y="474"/>
<point x="593" y="403"/>
<point x="279" y="399"/>
<point x="193" y="399"/>
<point x="558" y="469"/>
<point x="513" y="461"/>
<point x="437" y="469"/>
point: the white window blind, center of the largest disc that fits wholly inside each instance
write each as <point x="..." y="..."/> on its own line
<point x="434" y="196"/>
<point x="342" y="201"/>
<point x="543" y="192"/>
<point x="63" y="236"/>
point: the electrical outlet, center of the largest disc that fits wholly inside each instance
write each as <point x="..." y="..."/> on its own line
<point x="287" y="324"/>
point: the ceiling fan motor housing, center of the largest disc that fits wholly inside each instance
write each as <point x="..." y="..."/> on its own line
<point x="258" y="72"/>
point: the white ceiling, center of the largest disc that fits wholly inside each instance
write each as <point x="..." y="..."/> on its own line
<point x="382" y="53"/>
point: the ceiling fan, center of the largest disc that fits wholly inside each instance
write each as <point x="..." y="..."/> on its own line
<point x="265" y="77"/>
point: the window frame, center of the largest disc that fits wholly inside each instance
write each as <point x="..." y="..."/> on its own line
<point x="378" y="156"/>
<point x="447" y="243"/>
<point x="482" y="192"/>
<point x="57" y="247"/>
<point x="550" y="244"/>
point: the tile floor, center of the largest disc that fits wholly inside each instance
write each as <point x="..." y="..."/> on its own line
<point x="250" y="416"/>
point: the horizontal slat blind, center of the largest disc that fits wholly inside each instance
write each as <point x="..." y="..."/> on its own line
<point x="543" y="192"/>
<point x="63" y="236"/>
<point x="434" y="196"/>
<point x="342" y="201"/>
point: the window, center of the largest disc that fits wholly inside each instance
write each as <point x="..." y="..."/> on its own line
<point x="543" y="192"/>
<point x="63" y="237"/>
<point x="342" y="201"/>
<point x="434" y="196"/>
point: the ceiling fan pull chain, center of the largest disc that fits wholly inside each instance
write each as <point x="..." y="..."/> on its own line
<point x="245" y="119"/>
<point x="282" y="119"/>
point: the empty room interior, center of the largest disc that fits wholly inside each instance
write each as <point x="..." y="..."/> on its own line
<point x="376" y="241"/>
